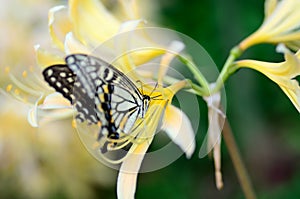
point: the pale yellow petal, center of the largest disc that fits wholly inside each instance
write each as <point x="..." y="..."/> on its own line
<point x="72" y="45"/>
<point x="49" y="115"/>
<point x="270" y="6"/>
<point x="178" y="127"/>
<point x="127" y="178"/>
<point x="172" y="51"/>
<point x="55" y="101"/>
<point x="46" y="58"/>
<point x="130" y="8"/>
<point x="59" y="25"/>
<point x="130" y="25"/>
<point x="32" y="116"/>
<point x="92" y="23"/>
<point x="281" y="24"/>
<point x="293" y="95"/>
<point x="282" y="74"/>
<point x="123" y="43"/>
<point x="142" y="56"/>
<point x="174" y="88"/>
<point x="133" y="46"/>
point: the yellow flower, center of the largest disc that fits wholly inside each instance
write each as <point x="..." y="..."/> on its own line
<point x="283" y="73"/>
<point x="281" y="25"/>
<point x="85" y="27"/>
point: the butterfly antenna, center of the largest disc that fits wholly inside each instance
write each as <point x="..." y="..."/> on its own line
<point x="142" y="89"/>
<point x="154" y="89"/>
<point x="154" y="97"/>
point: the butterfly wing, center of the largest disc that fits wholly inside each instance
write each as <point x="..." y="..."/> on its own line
<point x="98" y="91"/>
<point x="63" y="80"/>
<point x="115" y="94"/>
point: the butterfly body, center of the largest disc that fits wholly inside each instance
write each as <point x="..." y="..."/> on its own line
<point x="99" y="92"/>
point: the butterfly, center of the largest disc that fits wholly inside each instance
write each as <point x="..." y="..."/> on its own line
<point x="99" y="92"/>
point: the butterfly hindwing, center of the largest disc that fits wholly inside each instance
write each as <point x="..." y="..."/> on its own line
<point x="64" y="81"/>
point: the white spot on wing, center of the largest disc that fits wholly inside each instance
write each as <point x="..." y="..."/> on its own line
<point x="63" y="74"/>
<point x="70" y="79"/>
<point x="49" y="72"/>
<point x="65" y="90"/>
<point x="58" y="84"/>
<point x="52" y="79"/>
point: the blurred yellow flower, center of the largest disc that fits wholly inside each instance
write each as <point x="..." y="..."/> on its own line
<point x="281" y="25"/>
<point x="40" y="163"/>
<point x="82" y="27"/>
<point x="283" y="73"/>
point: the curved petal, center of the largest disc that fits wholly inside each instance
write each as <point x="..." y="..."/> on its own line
<point x="178" y="126"/>
<point x="55" y="101"/>
<point x="32" y="116"/>
<point x="45" y="58"/>
<point x="72" y="45"/>
<point x="282" y="74"/>
<point x="293" y="95"/>
<point x="281" y="24"/>
<point x="123" y="43"/>
<point x="270" y="6"/>
<point x="131" y="8"/>
<point x="91" y="22"/>
<point x="127" y="178"/>
<point x="134" y="45"/>
<point x="59" y="25"/>
<point x="172" y="51"/>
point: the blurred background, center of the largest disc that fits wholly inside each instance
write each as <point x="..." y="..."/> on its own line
<point x="49" y="162"/>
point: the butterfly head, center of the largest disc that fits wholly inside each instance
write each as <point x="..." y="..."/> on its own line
<point x="146" y="101"/>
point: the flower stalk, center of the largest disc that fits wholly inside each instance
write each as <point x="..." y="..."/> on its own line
<point x="228" y="68"/>
<point x="197" y="74"/>
<point x="237" y="161"/>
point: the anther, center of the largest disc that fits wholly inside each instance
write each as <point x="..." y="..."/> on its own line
<point x="7" y="69"/>
<point x="24" y="74"/>
<point x="17" y="91"/>
<point x="8" y="88"/>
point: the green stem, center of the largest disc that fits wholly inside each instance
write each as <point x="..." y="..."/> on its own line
<point x="237" y="162"/>
<point x="197" y="74"/>
<point x="191" y="87"/>
<point x="227" y="69"/>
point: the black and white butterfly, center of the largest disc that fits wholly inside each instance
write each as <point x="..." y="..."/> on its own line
<point x="99" y="92"/>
